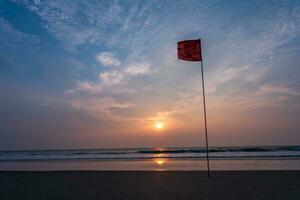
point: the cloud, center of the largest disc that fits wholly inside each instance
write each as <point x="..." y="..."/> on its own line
<point x="99" y="97"/>
<point x="76" y="23"/>
<point x="111" y="78"/>
<point x="107" y="59"/>
<point x="13" y="40"/>
<point x="222" y="76"/>
<point x="278" y="89"/>
<point x="99" y="107"/>
<point x="137" y="69"/>
<point x="238" y="60"/>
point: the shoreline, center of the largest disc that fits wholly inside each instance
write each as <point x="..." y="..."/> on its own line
<point x="163" y="157"/>
<point x="151" y="165"/>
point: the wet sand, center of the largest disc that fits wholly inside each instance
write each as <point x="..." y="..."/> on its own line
<point x="148" y="185"/>
<point x="157" y="164"/>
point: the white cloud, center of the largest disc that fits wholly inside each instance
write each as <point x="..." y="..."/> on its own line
<point x="254" y="75"/>
<point x="111" y="78"/>
<point x="98" y="97"/>
<point x="107" y="59"/>
<point x="137" y="69"/>
<point x="246" y="63"/>
<point x="37" y="2"/>
<point x="85" y="86"/>
<point x="77" y="23"/>
<point x="99" y="107"/>
<point x="223" y="75"/>
<point x="278" y="89"/>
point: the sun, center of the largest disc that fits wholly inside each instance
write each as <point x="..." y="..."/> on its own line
<point x="159" y="125"/>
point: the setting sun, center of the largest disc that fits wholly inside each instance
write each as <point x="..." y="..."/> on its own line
<point x="159" y="125"/>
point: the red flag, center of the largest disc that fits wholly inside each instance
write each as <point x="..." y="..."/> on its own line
<point x="190" y="50"/>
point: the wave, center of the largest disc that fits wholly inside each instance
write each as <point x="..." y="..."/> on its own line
<point x="154" y="157"/>
<point x="222" y="149"/>
<point x="178" y="153"/>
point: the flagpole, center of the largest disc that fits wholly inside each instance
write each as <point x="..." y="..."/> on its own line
<point x="205" y="121"/>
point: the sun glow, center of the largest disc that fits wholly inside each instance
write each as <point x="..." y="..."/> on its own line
<point x="160" y="161"/>
<point x="159" y="125"/>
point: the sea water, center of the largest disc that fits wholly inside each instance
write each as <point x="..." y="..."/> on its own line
<point x="179" y="158"/>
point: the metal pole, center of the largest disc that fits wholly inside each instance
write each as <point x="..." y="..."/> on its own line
<point x="205" y="122"/>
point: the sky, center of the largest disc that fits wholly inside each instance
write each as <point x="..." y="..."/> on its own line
<point x="101" y="74"/>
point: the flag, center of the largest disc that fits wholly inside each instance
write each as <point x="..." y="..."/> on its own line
<point x="189" y="50"/>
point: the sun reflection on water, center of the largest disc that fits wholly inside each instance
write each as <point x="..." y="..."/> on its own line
<point x="160" y="161"/>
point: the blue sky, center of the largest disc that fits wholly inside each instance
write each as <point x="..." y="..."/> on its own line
<point x="77" y="74"/>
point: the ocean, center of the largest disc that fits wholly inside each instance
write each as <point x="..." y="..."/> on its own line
<point x="179" y="158"/>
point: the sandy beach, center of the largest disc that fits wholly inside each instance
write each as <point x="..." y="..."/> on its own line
<point x="148" y="185"/>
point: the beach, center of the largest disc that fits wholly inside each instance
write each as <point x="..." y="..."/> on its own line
<point x="151" y="174"/>
<point x="148" y="185"/>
